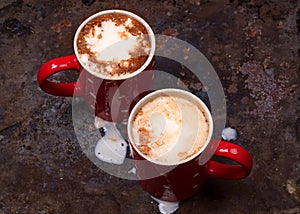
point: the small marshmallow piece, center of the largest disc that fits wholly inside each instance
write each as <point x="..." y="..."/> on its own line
<point x="229" y="134"/>
<point x="132" y="171"/>
<point x="111" y="151"/>
<point x="111" y="148"/>
<point x="166" y="207"/>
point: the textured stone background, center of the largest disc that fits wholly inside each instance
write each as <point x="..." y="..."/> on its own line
<point x="254" y="47"/>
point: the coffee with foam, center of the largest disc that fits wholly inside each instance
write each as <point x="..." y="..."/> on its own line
<point x="113" y="45"/>
<point x="169" y="128"/>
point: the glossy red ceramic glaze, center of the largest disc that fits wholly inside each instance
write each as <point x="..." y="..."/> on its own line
<point x="109" y="99"/>
<point x="185" y="180"/>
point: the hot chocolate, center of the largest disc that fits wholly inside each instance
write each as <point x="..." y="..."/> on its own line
<point x="113" y="45"/>
<point x="169" y="128"/>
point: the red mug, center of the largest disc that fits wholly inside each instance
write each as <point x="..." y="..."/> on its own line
<point x="109" y="97"/>
<point x="176" y="180"/>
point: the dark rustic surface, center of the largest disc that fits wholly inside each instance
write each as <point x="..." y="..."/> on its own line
<point x="254" y="47"/>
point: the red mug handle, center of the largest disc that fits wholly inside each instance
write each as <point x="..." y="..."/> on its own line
<point x="233" y="152"/>
<point x="54" y="66"/>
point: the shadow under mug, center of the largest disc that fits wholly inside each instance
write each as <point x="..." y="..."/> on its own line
<point x="108" y="98"/>
<point x="175" y="182"/>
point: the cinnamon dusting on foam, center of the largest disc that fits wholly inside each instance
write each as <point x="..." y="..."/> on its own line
<point x="113" y="45"/>
<point x="170" y="129"/>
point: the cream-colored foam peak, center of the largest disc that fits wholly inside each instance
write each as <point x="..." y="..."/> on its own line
<point x="102" y="40"/>
<point x="170" y="129"/>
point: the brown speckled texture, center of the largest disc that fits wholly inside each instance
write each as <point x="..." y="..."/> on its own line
<point x="252" y="44"/>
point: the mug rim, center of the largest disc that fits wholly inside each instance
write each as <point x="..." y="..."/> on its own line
<point x="130" y="14"/>
<point x="179" y="92"/>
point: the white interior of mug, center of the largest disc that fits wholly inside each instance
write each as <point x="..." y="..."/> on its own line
<point x="131" y="15"/>
<point x="185" y="143"/>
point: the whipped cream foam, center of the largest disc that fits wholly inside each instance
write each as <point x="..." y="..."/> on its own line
<point x="169" y="129"/>
<point x="113" y="45"/>
<point x="101" y="38"/>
